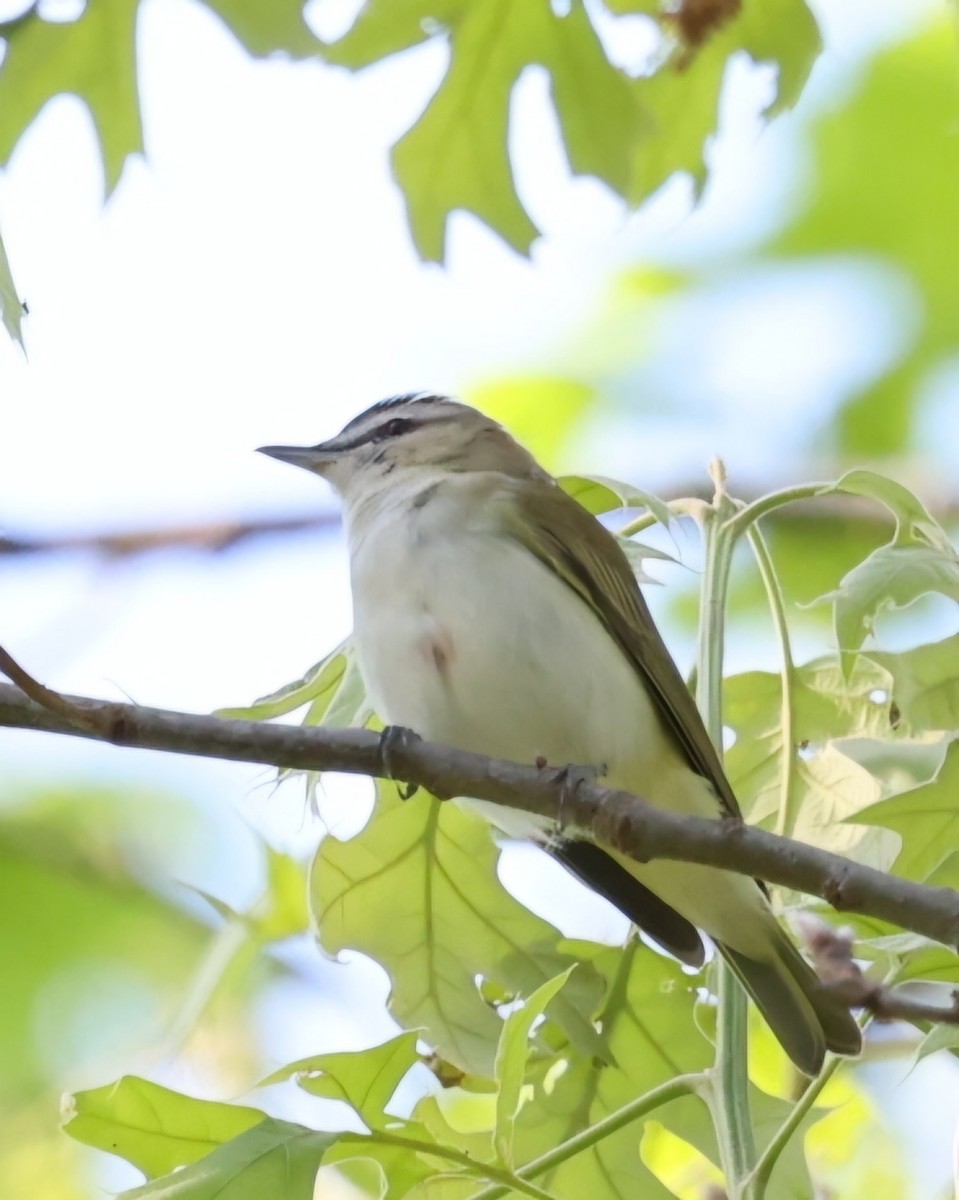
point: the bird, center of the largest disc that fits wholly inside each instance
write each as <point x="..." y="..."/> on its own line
<point x="493" y="613"/>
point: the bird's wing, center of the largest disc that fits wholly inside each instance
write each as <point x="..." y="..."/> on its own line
<point x="589" y="559"/>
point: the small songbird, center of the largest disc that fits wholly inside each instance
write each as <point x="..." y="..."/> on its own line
<point x="494" y="614"/>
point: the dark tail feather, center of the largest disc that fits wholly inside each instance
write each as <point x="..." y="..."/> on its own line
<point x="603" y="874"/>
<point x="806" y="1019"/>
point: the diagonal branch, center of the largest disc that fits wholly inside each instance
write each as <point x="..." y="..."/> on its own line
<point x="614" y="818"/>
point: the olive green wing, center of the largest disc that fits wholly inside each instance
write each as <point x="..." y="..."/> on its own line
<point x="586" y="556"/>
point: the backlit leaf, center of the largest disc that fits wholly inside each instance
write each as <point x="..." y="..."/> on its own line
<point x="926" y="818"/>
<point x="94" y="58"/>
<point x="417" y="890"/>
<point x="364" y="1079"/>
<point x="274" y="1158"/>
<point x="153" y="1127"/>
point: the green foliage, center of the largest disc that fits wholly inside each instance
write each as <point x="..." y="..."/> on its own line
<point x="418" y="892"/>
<point x="547" y="1047"/>
<point x="632" y="133"/>
<point x="274" y="1158"/>
<point x="152" y="1127"/>
<point x="896" y="208"/>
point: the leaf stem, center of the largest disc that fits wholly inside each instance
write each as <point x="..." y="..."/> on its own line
<point x="587" y="1138"/>
<point x="758" y="1180"/>
<point x="506" y="1181"/>
<point x="736" y="525"/>
<point x="787" y="675"/>
<point x="731" y="1114"/>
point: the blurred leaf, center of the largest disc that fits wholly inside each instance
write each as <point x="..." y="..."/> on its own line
<point x="680" y="102"/>
<point x="282" y="911"/>
<point x="925" y="684"/>
<point x="456" y="156"/>
<point x="273" y="1158"/>
<point x="155" y="1129"/>
<point x="546" y="413"/>
<point x="69" y="867"/>
<point x="94" y="58"/>
<point x="926" y="818"/>
<point x="631" y="133"/>
<point x="512" y="1055"/>
<point x="418" y="891"/>
<point x="364" y="1079"/>
<point x="267" y="28"/>
<point x="940" y="1037"/>
<point x="11" y="308"/>
<point x="855" y="1153"/>
<point x="909" y="99"/>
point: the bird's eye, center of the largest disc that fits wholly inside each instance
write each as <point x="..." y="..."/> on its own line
<point x="393" y="428"/>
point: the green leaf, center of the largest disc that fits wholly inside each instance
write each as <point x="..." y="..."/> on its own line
<point x="282" y="912"/>
<point x="456" y="156"/>
<point x="93" y="939"/>
<point x="274" y="1158"/>
<point x="926" y="818"/>
<point x="940" y="1037"/>
<point x="914" y="523"/>
<point x="825" y="706"/>
<point x="783" y="32"/>
<point x="267" y="28"/>
<point x="11" y="308"/>
<point x="94" y="58"/>
<point x="512" y="1055"/>
<point x="153" y="1127"/>
<point x="600" y="494"/>
<point x="364" y="1079"/>
<point x="894" y="576"/>
<point x="925" y="685"/>
<point x="647" y="1017"/>
<point x="417" y="891"/>
<point x="319" y="687"/>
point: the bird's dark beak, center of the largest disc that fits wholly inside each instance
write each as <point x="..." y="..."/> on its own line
<point x="311" y="458"/>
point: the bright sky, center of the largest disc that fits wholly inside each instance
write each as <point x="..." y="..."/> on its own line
<point x="253" y="282"/>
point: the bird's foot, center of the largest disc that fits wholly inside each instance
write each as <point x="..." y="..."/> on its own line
<point x="571" y="778"/>
<point x="393" y="740"/>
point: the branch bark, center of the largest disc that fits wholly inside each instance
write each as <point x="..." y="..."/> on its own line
<point x="615" y="818"/>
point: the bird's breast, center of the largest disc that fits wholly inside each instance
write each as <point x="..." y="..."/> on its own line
<point x="470" y="640"/>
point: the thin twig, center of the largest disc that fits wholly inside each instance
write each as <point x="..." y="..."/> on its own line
<point x="46" y="697"/>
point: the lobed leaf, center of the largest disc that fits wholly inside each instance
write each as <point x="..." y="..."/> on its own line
<point x="418" y="891"/>
<point x="364" y="1079"/>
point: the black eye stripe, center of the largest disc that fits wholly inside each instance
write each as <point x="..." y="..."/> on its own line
<point x="394" y="427"/>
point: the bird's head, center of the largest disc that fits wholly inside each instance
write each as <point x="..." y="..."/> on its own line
<point x="405" y="437"/>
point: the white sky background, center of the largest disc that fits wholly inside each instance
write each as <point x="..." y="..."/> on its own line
<point x="253" y="282"/>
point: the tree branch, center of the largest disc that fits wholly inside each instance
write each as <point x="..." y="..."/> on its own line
<point x="640" y="830"/>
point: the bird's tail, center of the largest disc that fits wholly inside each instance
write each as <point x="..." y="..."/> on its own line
<point x="805" y="1018"/>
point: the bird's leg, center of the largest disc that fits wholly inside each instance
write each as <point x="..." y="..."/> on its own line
<point x="392" y="739"/>
<point x="571" y="778"/>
